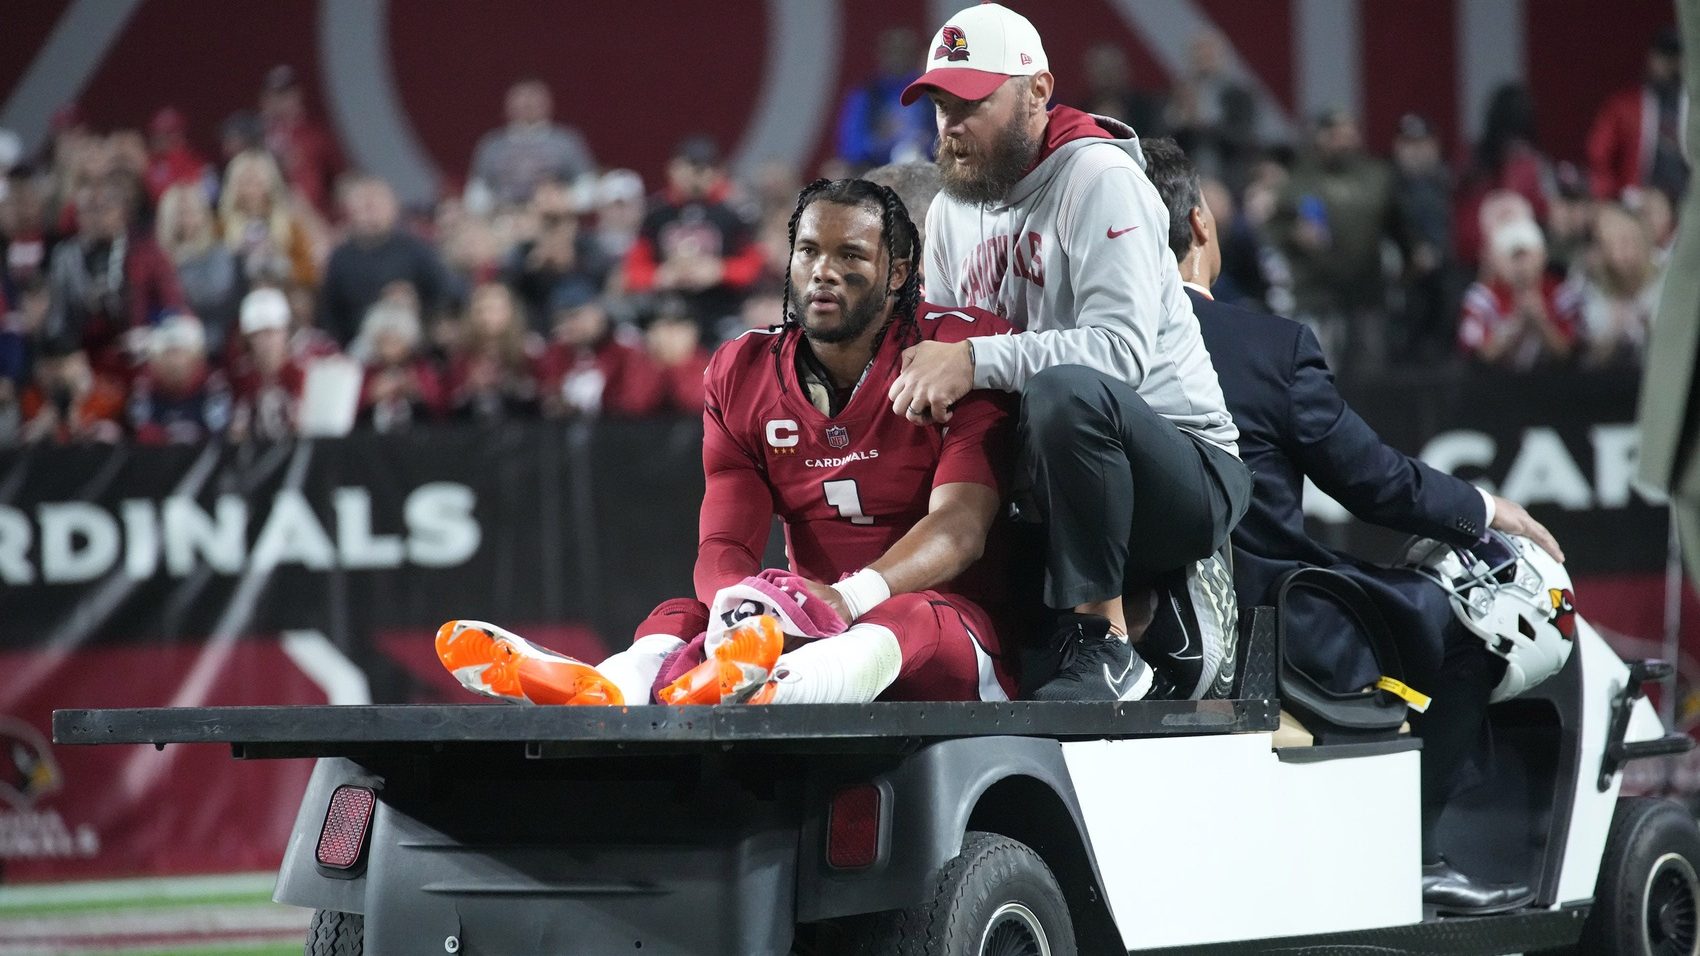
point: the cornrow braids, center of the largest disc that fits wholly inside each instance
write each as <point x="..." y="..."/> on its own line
<point x="897" y="231"/>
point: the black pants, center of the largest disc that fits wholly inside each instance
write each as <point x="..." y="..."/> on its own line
<point x="1122" y="491"/>
<point x="1441" y="658"/>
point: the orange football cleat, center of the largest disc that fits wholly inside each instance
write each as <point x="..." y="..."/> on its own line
<point x="736" y="668"/>
<point x="496" y="663"/>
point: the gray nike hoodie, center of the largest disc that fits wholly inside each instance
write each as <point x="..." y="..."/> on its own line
<point x="1077" y="255"/>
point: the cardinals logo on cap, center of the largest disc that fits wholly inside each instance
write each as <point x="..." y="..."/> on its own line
<point x="953" y="45"/>
<point x="1564" y="611"/>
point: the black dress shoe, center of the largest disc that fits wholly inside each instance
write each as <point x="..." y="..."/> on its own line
<point x="1456" y="894"/>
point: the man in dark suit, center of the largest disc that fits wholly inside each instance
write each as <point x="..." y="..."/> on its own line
<point x="1294" y="424"/>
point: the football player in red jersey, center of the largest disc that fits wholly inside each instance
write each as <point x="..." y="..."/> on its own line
<point x="885" y="524"/>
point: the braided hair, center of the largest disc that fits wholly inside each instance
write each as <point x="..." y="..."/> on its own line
<point x="902" y="242"/>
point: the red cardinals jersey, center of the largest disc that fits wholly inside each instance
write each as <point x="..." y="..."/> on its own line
<point x="847" y="486"/>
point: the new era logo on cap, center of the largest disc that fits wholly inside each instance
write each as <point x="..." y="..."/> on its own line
<point x="1004" y="44"/>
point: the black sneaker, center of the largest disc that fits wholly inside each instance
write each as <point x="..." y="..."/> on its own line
<point x="1092" y="663"/>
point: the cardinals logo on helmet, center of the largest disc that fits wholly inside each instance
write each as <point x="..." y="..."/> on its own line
<point x="1564" y="611"/>
<point x="953" y="45"/>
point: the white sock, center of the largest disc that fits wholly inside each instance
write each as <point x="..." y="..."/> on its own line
<point x="634" y="669"/>
<point x="849" y="668"/>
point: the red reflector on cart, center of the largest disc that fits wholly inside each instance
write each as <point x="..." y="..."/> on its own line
<point x="344" y="832"/>
<point x="853" y="828"/>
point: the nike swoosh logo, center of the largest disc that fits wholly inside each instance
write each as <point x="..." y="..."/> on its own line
<point x="1113" y="233"/>
<point x="1121" y="685"/>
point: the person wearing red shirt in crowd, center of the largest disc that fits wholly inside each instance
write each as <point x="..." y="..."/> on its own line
<point x="674" y="344"/>
<point x="588" y="369"/>
<point x="69" y="402"/>
<point x="798" y="425"/>
<point x="693" y="242"/>
<point x="401" y="385"/>
<point x="177" y="399"/>
<point x="171" y="160"/>
<point x="306" y="151"/>
<point x="265" y="381"/>
<point x="1518" y="315"/>
<point x="109" y="280"/>
<point x="1636" y="137"/>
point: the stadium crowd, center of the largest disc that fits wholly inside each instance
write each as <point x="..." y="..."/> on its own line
<point x="155" y="292"/>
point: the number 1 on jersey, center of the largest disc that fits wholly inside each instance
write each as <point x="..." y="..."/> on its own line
<point x="842" y="494"/>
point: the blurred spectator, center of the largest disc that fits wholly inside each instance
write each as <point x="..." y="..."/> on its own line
<point x="560" y="254"/>
<point x="177" y="399"/>
<point x="1334" y="212"/>
<point x="693" y="242"/>
<point x="588" y="370"/>
<point x="255" y="214"/>
<point x="494" y="373"/>
<point x="1506" y="157"/>
<point x="11" y="153"/>
<point x="917" y="184"/>
<point x="1110" y="92"/>
<point x="240" y="132"/>
<point x="265" y="381"/>
<point x="674" y="344"/>
<point x="375" y="254"/>
<point x="511" y="161"/>
<point x="70" y="402"/>
<point x="762" y="310"/>
<point x="1570" y="218"/>
<point x="26" y="238"/>
<point x="619" y="212"/>
<point x="305" y="151"/>
<point x="1618" y="287"/>
<point x="1213" y="117"/>
<point x="873" y="127"/>
<point x="108" y="280"/>
<point x="1241" y="280"/>
<point x="402" y="387"/>
<point x="20" y="329"/>
<point x="206" y="269"/>
<point x="171" y="160"/>
<point x="1423" y="194"/>
<point x="1516" y="316"/>
<point x="1636" y="137"/>
<point x="1657" y="213"/>
<point x="473" y="247"/>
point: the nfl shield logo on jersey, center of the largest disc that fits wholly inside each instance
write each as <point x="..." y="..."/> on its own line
<point x="837" y="436"/>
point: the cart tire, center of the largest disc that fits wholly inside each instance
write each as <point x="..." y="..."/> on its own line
<point x="336" y="934"/>
<point x="995" y="898"/>
<point x="1647" y="897"/>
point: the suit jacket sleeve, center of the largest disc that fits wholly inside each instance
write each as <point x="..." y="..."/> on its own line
<point x="1348" y="460"/>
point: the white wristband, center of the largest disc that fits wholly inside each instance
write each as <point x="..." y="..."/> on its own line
<point x="862" y="591"/>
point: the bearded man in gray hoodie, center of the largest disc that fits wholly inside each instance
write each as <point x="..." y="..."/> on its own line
<point x="1047" y="219"/>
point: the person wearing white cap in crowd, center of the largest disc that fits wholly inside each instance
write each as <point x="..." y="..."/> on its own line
<point x="1047" y="218"/>
<point x="266" y="382"/>
<point x="177" y="399"/>
<point x="1517" y="315"/>
<point x="619" y="211"/>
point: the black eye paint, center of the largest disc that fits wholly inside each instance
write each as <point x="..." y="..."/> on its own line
<point x="857" y="280"/>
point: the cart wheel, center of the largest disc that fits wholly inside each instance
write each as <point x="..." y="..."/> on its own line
<point x="336" y="934"/>
<point x="1647" y="898"/>
<point x="996" y="898"/>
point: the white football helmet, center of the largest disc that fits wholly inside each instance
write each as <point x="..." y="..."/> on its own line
<point x="1511" y="594"/>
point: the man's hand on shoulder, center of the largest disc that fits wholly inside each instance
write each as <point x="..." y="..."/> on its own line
<point x="935" y="376"/>
<point x="1509" y="517"/>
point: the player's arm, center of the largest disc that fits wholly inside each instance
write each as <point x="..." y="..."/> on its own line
<point x="967" y="490"/>
<point x="945" y="542"/>
<point x="737" y="508"/>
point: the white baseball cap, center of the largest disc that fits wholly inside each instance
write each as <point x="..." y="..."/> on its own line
<point x="264" y="309"/>
<point x="977" y="50"/>
<point x="1515" y="236"/>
